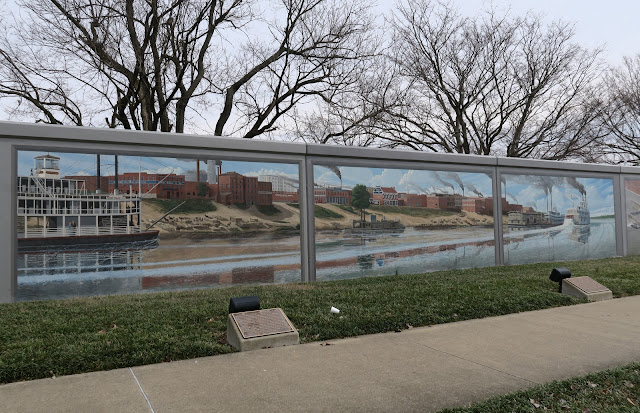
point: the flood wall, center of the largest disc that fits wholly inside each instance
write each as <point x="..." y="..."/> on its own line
<point x="94" y="212"/>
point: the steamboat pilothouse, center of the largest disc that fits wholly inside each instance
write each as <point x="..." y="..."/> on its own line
<point x="579" y="215"/>
<point x="55" y="213"/>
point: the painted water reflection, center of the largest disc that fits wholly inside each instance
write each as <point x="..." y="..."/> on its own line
<point x="178" y="263"/>
<point x="342" y="256"/>
<point x="184" y="264"/>
<point x="561" y="243"/>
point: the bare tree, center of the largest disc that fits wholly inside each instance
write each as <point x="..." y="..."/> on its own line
<point x="553" y="115"/>
<point x="620" y="116"/>
<point x="151" y="65"/>
<point x="33" y="90"/>
<point x="451" y="64"/>
<point x="490" y="84"/>
<point x="353" y="115"/>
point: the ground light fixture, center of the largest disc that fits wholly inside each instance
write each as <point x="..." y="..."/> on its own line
<point x="246" y="303"/>
<point x="559" y="274"/>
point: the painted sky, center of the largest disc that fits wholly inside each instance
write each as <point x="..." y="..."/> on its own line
<point x="85" y="164"/>
<point x="529" y="191"/>
<point x="519" y="188"/>
<point x="404" y="180"/>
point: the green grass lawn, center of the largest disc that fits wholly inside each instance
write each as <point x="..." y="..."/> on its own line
<point x="411" y="211"/>
<point x="614" y="390"/>
<point x="189" y="206"/>
<point x="40" y="339"/>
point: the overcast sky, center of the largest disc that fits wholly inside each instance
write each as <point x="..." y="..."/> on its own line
<point x="612" y="24"/>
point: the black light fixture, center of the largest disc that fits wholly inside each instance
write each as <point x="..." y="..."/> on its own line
<point x="559" y="274"/>
<point x="247" y="303"/>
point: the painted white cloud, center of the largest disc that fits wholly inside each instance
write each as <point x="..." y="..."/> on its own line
<point x="388" y="177"/>
<point x="271" y="171"/>
<point x="165" y="170"/>
<point x="351" y="176"/>
<point x="563" y="195"/>
<point x="327" y="178"/>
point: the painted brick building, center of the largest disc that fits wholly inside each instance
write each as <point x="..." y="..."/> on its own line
<point x="384" y="195"/>
<point x="234" y="188"/>
<point x="163" y="186"/>
<point x="412" y="200"/>
<point x="191" y="190"/>
<point x="336" y="196"/>
<point x="286" y="196"/>
<point x="484" y="206"/>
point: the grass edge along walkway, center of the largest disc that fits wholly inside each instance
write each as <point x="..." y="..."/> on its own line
<point x="616" y="389"/>
<point x="52" y="338"/>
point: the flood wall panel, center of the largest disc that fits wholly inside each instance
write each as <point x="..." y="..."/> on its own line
<point x="373" y="221"/>
<point x="159" y="226"/>
<point x="557" y="218"/>
<point x="632" y="219"/>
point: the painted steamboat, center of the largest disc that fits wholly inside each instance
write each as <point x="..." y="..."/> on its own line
<point x="58" y="214"/>
<point x="579" y="215"/>
<point x="529" y="217"/>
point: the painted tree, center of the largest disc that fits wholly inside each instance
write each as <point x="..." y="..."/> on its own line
<point x="360" y="199"/>
<point x="202" y="189"/>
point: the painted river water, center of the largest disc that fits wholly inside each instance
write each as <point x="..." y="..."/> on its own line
<point x="184" y="263"/>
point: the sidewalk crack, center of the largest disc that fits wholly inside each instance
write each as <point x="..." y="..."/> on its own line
<point x="141" y="390"/>
<point x="475" y="362"/>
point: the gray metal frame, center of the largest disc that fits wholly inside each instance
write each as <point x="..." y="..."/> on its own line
<point x="628" y="173"/>
<point x="8" y="277"/>
<point x="21" y="136"/>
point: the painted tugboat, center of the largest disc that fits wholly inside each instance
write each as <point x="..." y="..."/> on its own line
<point x="55" y="214"/>
<point x="374" y="226"/>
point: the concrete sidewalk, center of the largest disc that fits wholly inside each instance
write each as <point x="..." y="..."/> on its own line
<point x="422" y="369"/>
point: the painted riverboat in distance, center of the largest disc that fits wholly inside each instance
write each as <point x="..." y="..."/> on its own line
<point x="55" y="213"/>
<point x="579" y="215"/>
<point x="529" y="217"/>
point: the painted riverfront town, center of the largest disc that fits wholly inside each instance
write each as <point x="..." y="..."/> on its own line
<point x="90" y="224"/>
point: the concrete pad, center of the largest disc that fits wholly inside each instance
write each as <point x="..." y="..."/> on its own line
<point x="105" y="391"/>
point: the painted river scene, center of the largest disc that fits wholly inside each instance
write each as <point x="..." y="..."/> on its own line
<point x="91" y="224"/>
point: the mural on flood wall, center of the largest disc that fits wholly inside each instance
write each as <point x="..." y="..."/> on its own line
<point x="373" y="221"/>
<point x="632" y="196"/>
<point x="555" y="218"/>
<point x="155" y="224"/>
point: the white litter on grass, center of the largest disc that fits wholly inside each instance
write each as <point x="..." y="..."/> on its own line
<point x="334" y="310"/>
